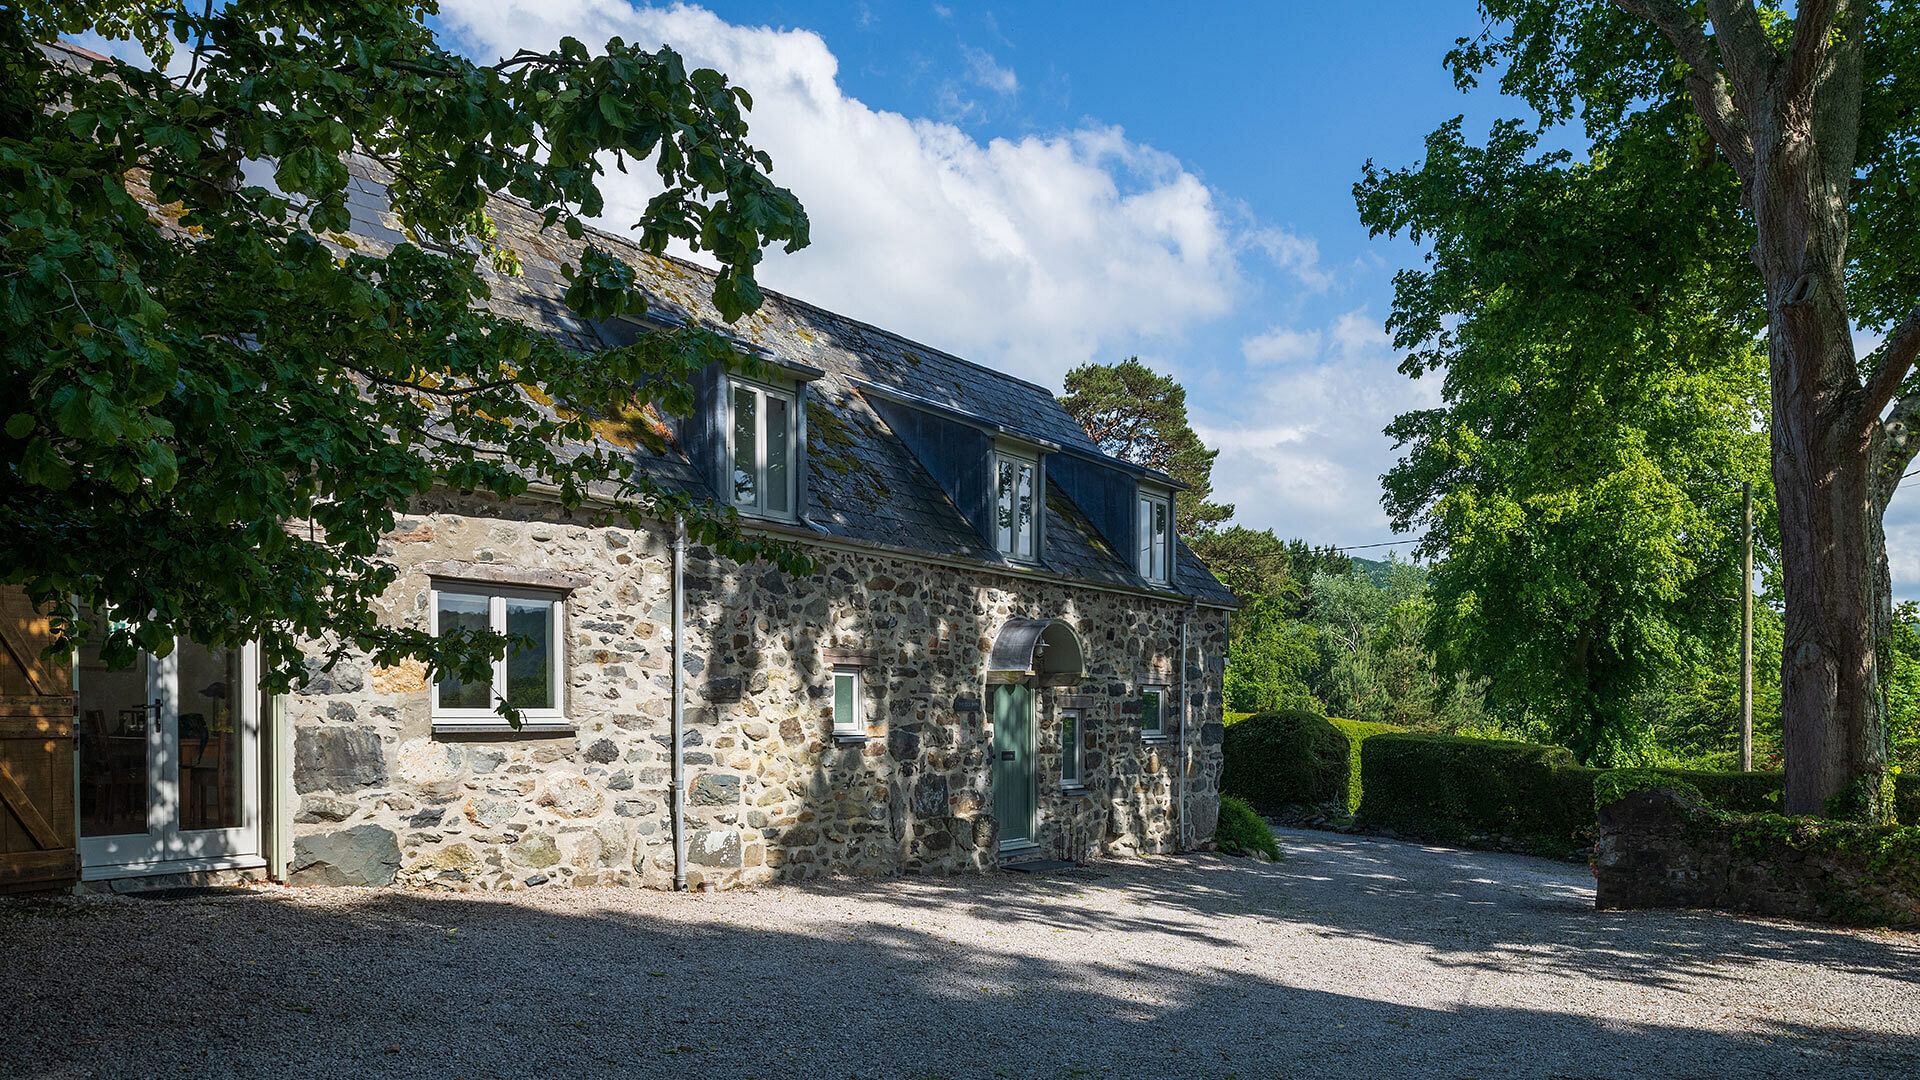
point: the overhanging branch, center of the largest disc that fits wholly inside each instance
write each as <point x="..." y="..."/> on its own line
<point x="1889" y="364"/>
<point x="1812" y="27"/>
<point x="1897" y="444"/>
<point x="1706" y="81"/>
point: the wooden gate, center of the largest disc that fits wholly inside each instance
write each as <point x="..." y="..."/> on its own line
<point x="38" y="850"/>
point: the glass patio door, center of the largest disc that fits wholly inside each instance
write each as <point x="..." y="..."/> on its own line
<point x="168" y="761"/>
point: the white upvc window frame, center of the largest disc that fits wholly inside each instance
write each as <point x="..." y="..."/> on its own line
<point x="467" y="719"/>
<point x="759" y="505"/>
<point x="1157" y="733"/>
<point x="1010" y="540"/>
<point x="1154" y="558"/>
<point x="853" y="725"/>
<point x="1070" y="744"/>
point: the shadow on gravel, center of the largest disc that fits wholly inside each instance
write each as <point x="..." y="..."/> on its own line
<point x="392" y="983"/>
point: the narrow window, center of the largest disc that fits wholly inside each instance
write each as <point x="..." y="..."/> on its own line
<point x="1153" y="720"/>
<point x="1070" y="748"/>
<point x="847" y="720"/>
<point x="1156" y="537"/>
<point x="760" y="449"/>
<point x="529" y="677"/>
<point x="1016" y="505"/>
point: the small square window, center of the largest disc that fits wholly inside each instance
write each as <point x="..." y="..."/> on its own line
<point x="1153" y="706"/>
<point x="1070" y="748"/>
<point x="530" y="677"/>
<point x="848" y="720"/>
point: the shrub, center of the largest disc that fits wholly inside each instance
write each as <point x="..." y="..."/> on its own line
<point x="1452" y="789"/>
<point x="1281" y="760"/>
<point x="1242" y="831"/>
<point x="1906" y="798"/>
<point x="1357" y="732"/>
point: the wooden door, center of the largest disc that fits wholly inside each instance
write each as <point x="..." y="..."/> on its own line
<point x="37" y="841"/>
<point x="1013" y="777"/>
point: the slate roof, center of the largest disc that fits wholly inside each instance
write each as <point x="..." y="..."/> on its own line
<point x="863" y="485"/>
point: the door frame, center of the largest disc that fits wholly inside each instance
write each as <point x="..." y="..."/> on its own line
<point x="1030" y="840"/>
<point x="166" y="848"/>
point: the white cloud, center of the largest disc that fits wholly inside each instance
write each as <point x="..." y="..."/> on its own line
<point x="1301" y="446"/>
<point x="1295" y="254"/>
<point x="983" y="69"/>
<point x="1281" y="345"/>
<point x="1031" y="254"/>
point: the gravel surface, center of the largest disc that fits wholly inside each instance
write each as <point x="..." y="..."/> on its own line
<point x="1351" y="958"/>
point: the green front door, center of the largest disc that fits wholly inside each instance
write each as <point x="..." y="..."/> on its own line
<point x="1013" y="763"/>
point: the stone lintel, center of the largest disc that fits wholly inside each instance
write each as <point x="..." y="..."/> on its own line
<point x="501" y="574"/>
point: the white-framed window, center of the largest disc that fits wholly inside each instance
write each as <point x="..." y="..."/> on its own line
<point x="531" y="676"/>
<point x="1016" y="505"/>
<point x="849" y="719"/>
<point x="761" y="444"/>
<point x="1070" y="737"/>
<point x="1153" y="712"/>
<point x="1156" y="536"/>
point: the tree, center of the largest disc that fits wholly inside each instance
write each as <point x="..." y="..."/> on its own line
<point x="1603" y="399"/>
<point x="215" y="409"/>
<point x="1139" y="415"/>
<point x="1250" y="563"/>
<point x="1270" y="660"/>
<point x="1817" y="116"/>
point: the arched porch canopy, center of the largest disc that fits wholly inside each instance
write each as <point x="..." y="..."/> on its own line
<point x="1046" y="651"/>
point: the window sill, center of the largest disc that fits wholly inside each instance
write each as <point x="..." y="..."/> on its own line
<point x="1156" y="738"/>
<point x="1072" y="790"/>
<point x="532" y="729"/>
<point x="841" y="738"/>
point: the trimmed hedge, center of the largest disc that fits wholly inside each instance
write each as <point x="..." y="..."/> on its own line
<point x="1357" y="732"/>
<point x="1528" y="797"/>
<point x="1285" y="759"/>
<point x="1458" y="790"/>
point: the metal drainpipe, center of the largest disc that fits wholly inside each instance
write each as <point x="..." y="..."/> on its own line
<point x="677" y="785"/>
<point x="1186" y="712"/>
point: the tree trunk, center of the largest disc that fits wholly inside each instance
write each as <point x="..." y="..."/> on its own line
<point x="1825" y="453"/>
<point x="1834" y="563"/>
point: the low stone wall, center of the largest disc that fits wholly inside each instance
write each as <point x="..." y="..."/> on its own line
<point x="1662" y="849"/>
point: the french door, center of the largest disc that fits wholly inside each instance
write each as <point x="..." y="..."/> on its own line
<point x="169" y="763"/>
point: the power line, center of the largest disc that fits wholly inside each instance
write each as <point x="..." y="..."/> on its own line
<point x="1359" y="547"/>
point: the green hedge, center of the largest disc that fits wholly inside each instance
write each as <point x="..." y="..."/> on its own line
<point x="1486" y="792"/>
<point x="1357" y="732"/>
<point x="1286" y="759"/>
<point x="1453" y="789"/>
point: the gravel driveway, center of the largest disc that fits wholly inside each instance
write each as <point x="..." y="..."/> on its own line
<point x="1352" y="958"/>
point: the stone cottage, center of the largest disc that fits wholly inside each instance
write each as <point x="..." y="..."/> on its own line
<point x="1004" y="651"/>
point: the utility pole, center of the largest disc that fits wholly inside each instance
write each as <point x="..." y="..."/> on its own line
<point x="1746" y="628"/>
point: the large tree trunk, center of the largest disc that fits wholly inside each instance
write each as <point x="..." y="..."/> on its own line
<point x="1834" y="563"/>
<point x="1825" y="466"/>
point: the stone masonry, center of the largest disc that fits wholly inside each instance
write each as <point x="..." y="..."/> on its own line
<point x="381" y="797"/>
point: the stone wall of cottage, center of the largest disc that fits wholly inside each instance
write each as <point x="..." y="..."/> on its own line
<point x="381" y="797"/>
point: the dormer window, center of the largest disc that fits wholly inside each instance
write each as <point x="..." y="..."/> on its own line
<point x="1156" y="536"/>
<point x="760" y="449"/>
<point x="1016" y="505"/>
